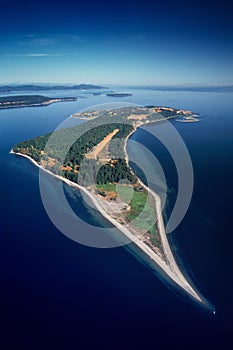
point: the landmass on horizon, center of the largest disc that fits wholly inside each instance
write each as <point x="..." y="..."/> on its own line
<point x="119" y="94"/>
<point x="45" y="87"/>
<point x="97" y="164"/>
<point x="18" y="87"/>
<point x="30" y="101"/>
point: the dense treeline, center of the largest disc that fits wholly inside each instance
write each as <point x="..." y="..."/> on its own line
<point x="54" y="146"/>
<point x="24" y="99"/>
<point x="91" y="138"/>
<point x="33" y="147"/>
<point x="110" y="173"/>
<point x="90" y="170"/>
<point x="30" y="101"/>
<point x="63" y="151"/>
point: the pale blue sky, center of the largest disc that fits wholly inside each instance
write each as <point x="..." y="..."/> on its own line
<point x="158" y="43"/>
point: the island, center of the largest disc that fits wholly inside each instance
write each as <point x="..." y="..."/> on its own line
<point x="188" y="119"/>
<point x="119" y="94"/>
<point x="97" y="164"/>
<point x="187" y="116"/>
<point x="30" y="101"/>
<point x="46" y="87"/>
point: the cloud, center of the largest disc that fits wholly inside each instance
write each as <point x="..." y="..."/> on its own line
<point x="41" y="54"/>
<point x="31" y="55"/>
<point x="50" y="39"/>
<point x="36" y="55"/>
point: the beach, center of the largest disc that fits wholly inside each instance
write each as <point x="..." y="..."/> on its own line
<point x="168" y="265"/>
<point x="63" y="284"/>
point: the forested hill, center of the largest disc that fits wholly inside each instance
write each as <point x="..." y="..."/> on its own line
<point x="30" y="101"/>
<point x="65" y="152"/>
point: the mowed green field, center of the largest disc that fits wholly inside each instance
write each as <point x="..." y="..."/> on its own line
<point x="141" y="213"/>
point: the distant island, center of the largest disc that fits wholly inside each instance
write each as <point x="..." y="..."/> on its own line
<point x="187" y="117"/>
<point x="36" y="87"/>
<point x="30" y="101"/>
<point x="118" y="94"/>
<point x="97" y="164"/>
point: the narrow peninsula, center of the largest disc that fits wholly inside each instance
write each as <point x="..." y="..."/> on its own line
<point x="97" y="163"/>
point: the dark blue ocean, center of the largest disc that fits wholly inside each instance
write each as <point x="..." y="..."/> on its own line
<point x="58" y="294"/>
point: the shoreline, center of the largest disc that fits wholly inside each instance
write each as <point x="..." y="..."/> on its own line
<point x="175" y="274"/>
<point x="170" y="266"/>
<point x="42" y="104"/>
<point x="188" y="120"/>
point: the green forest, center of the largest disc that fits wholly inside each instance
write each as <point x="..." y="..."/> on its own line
<point x="55" y="145"/>
<point x="63" y="151"/>
<point x="30" y="101"/>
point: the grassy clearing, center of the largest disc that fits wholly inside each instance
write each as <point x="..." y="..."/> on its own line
<point x="154" y="236"/>
<point x="135" y="199"/>
<point x="137" y="204"/>
<point x="141" y="213"/>
<point x="106" y="188"/>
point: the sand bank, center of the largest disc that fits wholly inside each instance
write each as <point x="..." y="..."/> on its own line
<point x="170" y="267"/>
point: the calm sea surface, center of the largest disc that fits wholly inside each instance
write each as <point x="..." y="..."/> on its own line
<point x="58" y="294"/>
